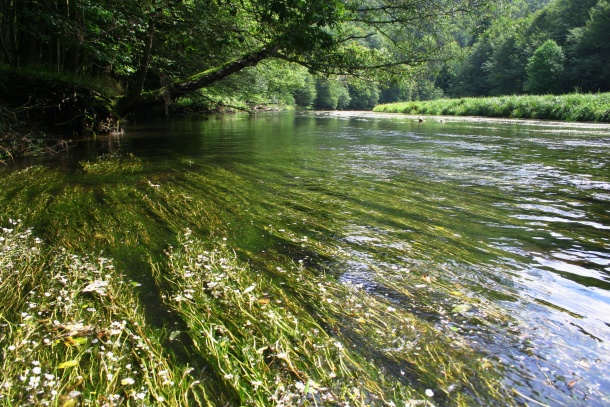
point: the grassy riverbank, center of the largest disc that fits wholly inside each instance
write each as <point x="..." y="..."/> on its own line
<point x="573" y="107"/>
<point x="122" y="286"/>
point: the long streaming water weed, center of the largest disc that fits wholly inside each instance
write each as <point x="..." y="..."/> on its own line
<point x="280" y="334"/>
<point x="269" y="285"/>
<point x="292" y="336"/>
<point x="74" y="334"/>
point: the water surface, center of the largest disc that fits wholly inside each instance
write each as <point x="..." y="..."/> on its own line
<point x="514" y="214"/>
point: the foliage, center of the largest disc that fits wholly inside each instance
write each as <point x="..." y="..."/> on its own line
<point x="545" y="69"/>
<point x="305" y="95"/>
<point x="161" y="50"/>
<point x="589" y="51"/>
<point x="363" y="96"/>
<point x="497" y="63"/>
<point x="331" y="95"/>
<point x="157" y="51"/>
<point x="572" y="107"/>
<point x="505" y="67"/>
<point x="557" y="18"/>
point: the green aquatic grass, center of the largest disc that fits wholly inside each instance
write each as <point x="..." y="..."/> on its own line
<point x="210" y="322"/>
<point x="112" y="165"/>
<point x="572" y="107"/>
<point x="291" y="337"/>
<point x="73" y="333"/>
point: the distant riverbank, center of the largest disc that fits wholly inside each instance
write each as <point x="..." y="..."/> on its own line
<point x="572" y="107"/>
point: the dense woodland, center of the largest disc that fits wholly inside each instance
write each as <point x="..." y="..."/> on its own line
<point x="536" y="47"/>
<point x="96" y="60"/>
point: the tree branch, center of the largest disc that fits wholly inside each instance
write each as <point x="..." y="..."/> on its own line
<point x="195" y="82"/>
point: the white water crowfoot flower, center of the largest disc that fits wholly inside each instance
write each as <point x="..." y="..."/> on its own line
<point x="127" y="381"/>
<point x="49" y="329"/>
<point x="97" y="286"/>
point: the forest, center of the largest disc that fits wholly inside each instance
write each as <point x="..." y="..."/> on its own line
<point x="83" y="64"/>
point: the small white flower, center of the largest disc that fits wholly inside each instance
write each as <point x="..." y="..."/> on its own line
<point x="429" y="393"/>
<point x="127" y="381"/>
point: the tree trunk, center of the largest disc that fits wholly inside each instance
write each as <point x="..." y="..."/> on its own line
<point x="134" y="93"/>
<point x="133" y="102"/>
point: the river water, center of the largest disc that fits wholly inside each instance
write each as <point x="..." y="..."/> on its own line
<point x="514" y="214"/>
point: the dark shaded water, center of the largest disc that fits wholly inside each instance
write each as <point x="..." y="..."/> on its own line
<point x="516" y="214"/>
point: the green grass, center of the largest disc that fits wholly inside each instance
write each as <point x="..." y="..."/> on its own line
<point x="572" y="107"/>
<point x="130" y="293"/>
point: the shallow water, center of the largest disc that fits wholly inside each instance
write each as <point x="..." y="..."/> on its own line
<point x="516" y="214"/>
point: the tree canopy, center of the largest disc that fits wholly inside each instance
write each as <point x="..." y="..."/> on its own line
<point x="507" y="57"/>
<point x="153" y="52"/>
<point x="163" y="49"/>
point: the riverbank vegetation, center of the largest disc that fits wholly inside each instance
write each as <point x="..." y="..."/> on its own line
<point x="72" y="69"/>
<point x="574" y="107"/>
<point x="158" y="52"/>
<point x="125" y="287"/>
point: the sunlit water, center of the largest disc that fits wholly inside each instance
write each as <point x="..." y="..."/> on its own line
<point x="516" y="213"/>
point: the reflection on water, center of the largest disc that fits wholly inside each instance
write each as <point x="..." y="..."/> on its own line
<point x="513" y="213"/>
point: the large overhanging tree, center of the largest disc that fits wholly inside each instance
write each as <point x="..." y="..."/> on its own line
<point x="164" y="49"/>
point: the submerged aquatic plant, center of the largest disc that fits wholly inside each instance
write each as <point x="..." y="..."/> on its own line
<point x="292" y="336"/>
<point x="74" y="334"/>
<point x="278" y="331"/>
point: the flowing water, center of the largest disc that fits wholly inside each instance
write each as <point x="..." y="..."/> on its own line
<point x="513" y="215"/>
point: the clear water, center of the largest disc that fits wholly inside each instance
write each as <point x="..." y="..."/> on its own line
<point x="516" y="214"/>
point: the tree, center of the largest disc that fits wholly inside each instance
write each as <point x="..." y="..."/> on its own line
<point x="470" y="76"/>
<point x="164" y="49"/>
<point x="364" y="96"/>
<point x="545" y="70"/>
<point x="589" y="51"/>
<point x="505" y="67"/>
<point x="557" y="19"/>
<point x="496" y="63"/>
<point x="331" y="95"/>
<point x="306" y="94"/>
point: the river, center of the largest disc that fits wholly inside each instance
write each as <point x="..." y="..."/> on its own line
<point x="515" y="215"/>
